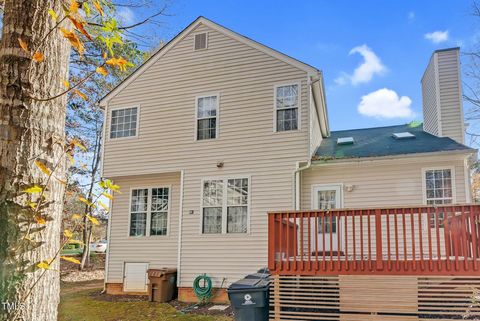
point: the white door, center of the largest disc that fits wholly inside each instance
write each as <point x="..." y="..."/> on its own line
<point x="326" y="197"/>
<point x="135" y="277"/>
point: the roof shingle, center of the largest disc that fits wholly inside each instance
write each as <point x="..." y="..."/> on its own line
<point x="379" y="141"/>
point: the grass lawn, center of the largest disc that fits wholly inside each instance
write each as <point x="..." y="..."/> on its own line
<point x="82" y="306"/>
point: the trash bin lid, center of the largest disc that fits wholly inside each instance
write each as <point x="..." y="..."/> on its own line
<point x="245" y="284"/>
<point x="161" y="272"/>
<point x="258" y="276"/>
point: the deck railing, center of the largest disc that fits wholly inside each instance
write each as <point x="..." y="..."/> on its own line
<point x="428" y="240"/>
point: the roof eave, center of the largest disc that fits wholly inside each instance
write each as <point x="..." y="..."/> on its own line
<point x="467" y="152"/>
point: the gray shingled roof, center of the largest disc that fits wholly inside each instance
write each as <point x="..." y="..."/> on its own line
<point x="379" y="141"/>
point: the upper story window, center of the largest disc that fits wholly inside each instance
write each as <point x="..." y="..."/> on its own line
<point x="225" y="205"/>
<point x="286" y="107"/>
<point x="439" y="190"/>
<point x="207" y="112"/>
<point x="123" y="122"/>
<point x="149" y="211"/>
<point x="201" y="40"/>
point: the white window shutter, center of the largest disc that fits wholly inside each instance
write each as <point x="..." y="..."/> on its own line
<point x="135" y="277"/>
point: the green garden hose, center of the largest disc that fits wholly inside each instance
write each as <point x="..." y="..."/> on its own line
<point x="203" y="293"/>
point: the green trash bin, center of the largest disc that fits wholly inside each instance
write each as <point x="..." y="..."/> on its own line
<point x="249" y="299"/>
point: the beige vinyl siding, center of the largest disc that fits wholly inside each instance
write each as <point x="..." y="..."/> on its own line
<point x="450" y="93"/>
<point x="383" y="183"/>
<point x="315" y="132"/>
<point x="430" y="103"/>
<point x="442" y="96"/>
<point x="244" y="78"/>
<point x="159" y="250"/>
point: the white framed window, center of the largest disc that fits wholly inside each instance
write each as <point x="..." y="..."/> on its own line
<point x="149" y="211"/>
<point x="123" y="122"/>
<point x="225" y="205"/>
<point x="206" y="117"/>
<point x="439" y="189"/>
<point x="200" y="41"/>
<point x="287" y="102"/>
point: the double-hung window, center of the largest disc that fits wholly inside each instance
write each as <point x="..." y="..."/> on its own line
<point x="286" y="107"/>
<point x="123" y="122"/>
<point x="207" y="117"/>
<point x="225" y="205"/>
<point x="439" y="190"/>
<point x="149" y="211"/>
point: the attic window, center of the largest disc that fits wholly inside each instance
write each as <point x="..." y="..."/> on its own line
<point x="345" y="141"/>
<point x="200" y="41"/>
<point x="403" y="135"/>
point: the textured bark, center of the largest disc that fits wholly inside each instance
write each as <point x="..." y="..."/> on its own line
<point x="29" y="129"/>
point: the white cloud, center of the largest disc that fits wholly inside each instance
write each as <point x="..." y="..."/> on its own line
<point x="371" y="65"/>
<point x="411" y="16"/>
<point x="126" y="15"/>
<point x="437" y="36"/>
<point x="385" y="103"/>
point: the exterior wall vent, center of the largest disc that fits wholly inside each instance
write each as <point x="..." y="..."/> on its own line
<point x="201" y="41"/>
<point x="345" y="141"/>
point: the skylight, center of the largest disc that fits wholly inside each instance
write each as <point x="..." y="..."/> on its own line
<point x="403" y="135"/>
<point x="345" y="141"/>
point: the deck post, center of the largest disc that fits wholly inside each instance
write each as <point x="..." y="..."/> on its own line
<point x="272" y="234"/>
<point x="378" y="235"/>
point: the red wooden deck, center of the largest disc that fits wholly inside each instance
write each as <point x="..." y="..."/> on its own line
<point x="426" y="240"/>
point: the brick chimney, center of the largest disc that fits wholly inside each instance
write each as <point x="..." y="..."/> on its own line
<point x="442" y="95"/>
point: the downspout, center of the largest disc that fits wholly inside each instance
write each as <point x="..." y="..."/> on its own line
<point x="107" y="255"/>
<point x="296" y="183"/>
<point x="180" y="220"/>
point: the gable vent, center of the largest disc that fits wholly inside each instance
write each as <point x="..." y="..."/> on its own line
<point x="200" y="41"/>
<point x="345" y="141"/>
<point x="403" y="135"/>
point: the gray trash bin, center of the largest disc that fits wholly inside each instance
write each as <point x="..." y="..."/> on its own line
<point x="249" y="299"/>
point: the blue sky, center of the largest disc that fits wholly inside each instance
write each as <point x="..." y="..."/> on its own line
<point x="392" y="39"/>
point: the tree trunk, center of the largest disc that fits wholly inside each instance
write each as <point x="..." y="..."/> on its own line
<point x="30" y="129"/>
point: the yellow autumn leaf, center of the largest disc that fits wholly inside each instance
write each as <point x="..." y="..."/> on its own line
<point x="113" y="187"/>
<point x="43" y="167"/>
<point x="76" y="216"/>
<point x="44" y="265"/>
<point x="102" y="71"/>
<point x="52" y="14"/>
<point x="73" y="6"/>
<point x="68" y="234"/>
<point x="80" y="27"/>
<point x="34" y="189"/>
<point x="104" y="55"/>
<point x="93" y="220"/>
<point x="119" y="62"/>
<point x="107" y="195"/>
<point x="97" y="6"/>
<point x="32" y="205"/>
<point x="66" y="84"/>
<point x="70" y="259"/>
<point x="105" y="207"/>
<point x="38" y="57"/>
<point x="74" y="41"/>
<point x="80" y="94"/>
<point x="23" y="45"/>
<point x="85" y="201"/>
<point x="77" y="143"/>
<point x="40" y="220"/>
